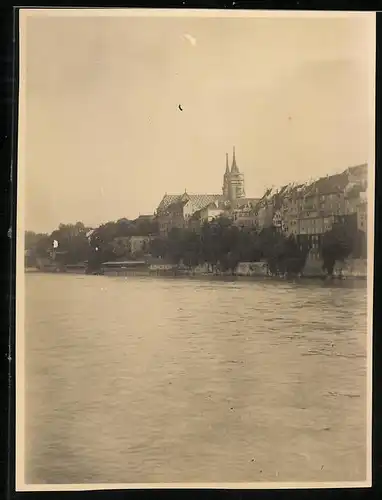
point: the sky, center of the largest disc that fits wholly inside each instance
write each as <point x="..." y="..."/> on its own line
<point x="104" y="137"/>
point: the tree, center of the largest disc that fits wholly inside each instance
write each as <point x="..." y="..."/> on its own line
<point x="121" y="248"/>
<point x="283" y="255"/>
<point x="73" y="243"/>
<point x="337" y="245"/>
<point x="219" y="244"/>
<point x="230" y="247"/>
<point x="249" y="247"/>
<point x="145" y="227"/>
<point x="191" y="249"/>
<point x="121" y="228"/>
<point x="175" y="245"/>
<point x="37" y="244"/>
<point x="272" y="246"/>
<point x="32" y="239"/>
<point x="158" y="247"/>
<point x="209" y="245"/>
<point x="295" y="255"/>
<point x="100" y="246"/>
<point x="359" y="245"/>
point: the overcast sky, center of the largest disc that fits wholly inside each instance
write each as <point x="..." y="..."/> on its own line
<point x="105" y="138"/>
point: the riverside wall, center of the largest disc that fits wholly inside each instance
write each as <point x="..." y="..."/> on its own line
<point x="351" y="268"/>
<point x="356" y="268"/>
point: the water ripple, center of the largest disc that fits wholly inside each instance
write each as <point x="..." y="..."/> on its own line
<point x="140" y="379"/>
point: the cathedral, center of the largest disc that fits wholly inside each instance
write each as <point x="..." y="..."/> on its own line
<point x="175" y="210"/>
<point x="233" y="184"/>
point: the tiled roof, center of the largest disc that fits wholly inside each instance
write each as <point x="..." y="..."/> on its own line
<point x="197" y="201"/>
<point x="167" y="200"/>
<point x="327" y="185"/>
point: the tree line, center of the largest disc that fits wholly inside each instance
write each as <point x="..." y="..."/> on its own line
<point x="220" y="244"/>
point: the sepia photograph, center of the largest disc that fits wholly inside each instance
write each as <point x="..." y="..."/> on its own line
<point x="195" y="244"/>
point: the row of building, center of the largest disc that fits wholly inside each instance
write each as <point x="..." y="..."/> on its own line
<point x="305" y="210"/>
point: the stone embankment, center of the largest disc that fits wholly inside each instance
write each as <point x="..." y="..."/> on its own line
<point x="352" y="268"/>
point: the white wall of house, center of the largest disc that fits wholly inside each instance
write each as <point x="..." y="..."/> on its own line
<point x="252" y="269"/>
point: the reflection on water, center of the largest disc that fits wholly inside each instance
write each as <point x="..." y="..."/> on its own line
<point x="176" y="380"/>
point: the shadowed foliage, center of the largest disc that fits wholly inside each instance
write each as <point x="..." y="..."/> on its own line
<point x="219" y="243"/>
<point x="337" y="245"/>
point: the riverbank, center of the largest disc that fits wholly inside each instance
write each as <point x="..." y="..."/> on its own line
<point x="357" y="281"/>
<point x="352" y="269"/>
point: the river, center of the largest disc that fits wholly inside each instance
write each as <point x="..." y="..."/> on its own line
<point x="140" y="379"/>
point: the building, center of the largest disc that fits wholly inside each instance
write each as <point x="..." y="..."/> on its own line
<point x="191" y="210"/>
<point x="212" y="211"/>
<point x="175" y="211"/>
<point x="309" y="210"/>
<point x="362" y="216"/>
<point x="305" y="210"/>
<point x="245" y="216"/>
<point x="358" y="175"/>
<point x="233" y="181"/>
<point x="266" y="208"/>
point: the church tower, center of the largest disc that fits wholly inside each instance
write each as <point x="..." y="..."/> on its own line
<point x="226" y="181"/>
<point x="233" y="186"/>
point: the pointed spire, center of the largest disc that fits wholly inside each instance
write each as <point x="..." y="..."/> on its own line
<point x="226" y="164"/>
<point x="234" y="165"/>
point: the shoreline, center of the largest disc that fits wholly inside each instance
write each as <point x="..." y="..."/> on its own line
<point x="361" y="279"/>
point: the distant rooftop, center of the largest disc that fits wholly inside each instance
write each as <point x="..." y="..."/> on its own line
<point x="144" y="217"/>
<point x="199" y="201"/>
<point x="329" y="184"/>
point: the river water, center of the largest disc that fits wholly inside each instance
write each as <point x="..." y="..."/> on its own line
<point x="183" y="380"/>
